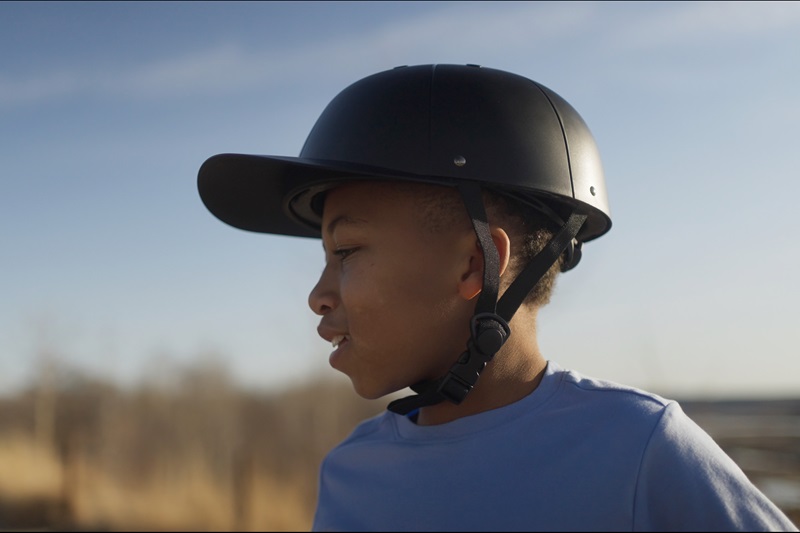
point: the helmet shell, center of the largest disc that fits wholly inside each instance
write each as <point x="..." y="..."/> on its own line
<point x="436" y="124"/>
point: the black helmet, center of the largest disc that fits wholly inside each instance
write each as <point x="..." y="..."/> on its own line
<point x="431" y="123"/>
<point x="464" y="126"/>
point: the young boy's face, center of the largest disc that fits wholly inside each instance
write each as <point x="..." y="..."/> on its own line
<point x="392" y="289"/>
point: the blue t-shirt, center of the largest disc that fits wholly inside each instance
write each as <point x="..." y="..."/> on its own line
<point x="576" y="454"/>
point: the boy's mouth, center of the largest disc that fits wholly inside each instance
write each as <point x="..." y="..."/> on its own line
<point x="339" y="339"/>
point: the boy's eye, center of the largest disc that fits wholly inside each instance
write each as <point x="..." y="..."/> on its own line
<point x="343" y="253"/>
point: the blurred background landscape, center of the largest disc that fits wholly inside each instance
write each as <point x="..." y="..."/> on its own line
<point x="191" y="451"/>
<point x="161" y="370"/>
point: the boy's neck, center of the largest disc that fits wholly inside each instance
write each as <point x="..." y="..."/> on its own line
<point x="514" y="373"/>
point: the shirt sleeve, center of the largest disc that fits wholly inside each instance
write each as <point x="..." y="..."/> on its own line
<point x="687" y="483"/>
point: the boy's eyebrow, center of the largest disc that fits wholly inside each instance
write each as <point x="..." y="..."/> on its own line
<point x="345" y="219"/>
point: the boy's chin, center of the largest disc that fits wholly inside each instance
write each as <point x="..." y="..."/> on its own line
<point x="373" y="391"/>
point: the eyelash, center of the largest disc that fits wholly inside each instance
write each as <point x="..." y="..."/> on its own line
<point x="344" y="253"/>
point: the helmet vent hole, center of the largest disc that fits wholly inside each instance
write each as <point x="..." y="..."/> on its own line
<point x="592" y="190"/>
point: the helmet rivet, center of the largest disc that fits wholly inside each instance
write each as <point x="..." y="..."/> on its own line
<point x="459" y="161"/>
<point x="591" y="190"/>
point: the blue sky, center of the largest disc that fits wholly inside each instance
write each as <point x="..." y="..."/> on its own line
<point x="111" y="263"/>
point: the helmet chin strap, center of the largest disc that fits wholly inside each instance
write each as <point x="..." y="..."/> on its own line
<point x="489" y="328"/>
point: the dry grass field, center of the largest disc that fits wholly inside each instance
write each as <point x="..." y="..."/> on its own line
<point x="195" y="454"/>
<point x="199" y="454"/>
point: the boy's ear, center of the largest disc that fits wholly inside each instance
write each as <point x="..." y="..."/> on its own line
<point x="472" y="280"/>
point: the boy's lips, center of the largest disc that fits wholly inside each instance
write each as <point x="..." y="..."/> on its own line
<point x="335" y="336"/>
<point x="340" y="341"/>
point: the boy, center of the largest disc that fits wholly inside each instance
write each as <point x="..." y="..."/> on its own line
<point x="447" y="199"/>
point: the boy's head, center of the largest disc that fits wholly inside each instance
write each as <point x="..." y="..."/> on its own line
<point x="415" y="158"/>
<point x="402" y="271"/>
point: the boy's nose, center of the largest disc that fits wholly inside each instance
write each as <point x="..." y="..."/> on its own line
<point x="323" y="299"/>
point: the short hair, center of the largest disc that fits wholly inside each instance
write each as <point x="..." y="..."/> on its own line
<point x="530" y="231"/>
<point x="528" y="228"/>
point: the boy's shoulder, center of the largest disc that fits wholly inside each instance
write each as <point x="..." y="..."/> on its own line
<point x="602" y="390"/>
<point x="570" y="399"/>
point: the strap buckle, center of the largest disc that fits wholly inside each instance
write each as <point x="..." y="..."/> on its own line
<point x="488" y="334"/>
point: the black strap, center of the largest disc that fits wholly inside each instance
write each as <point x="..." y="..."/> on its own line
<point x="489" y="333"/>
<point x="518" y="290"/>
<point x="473" y="200"/>
<point x="426" y="395"/>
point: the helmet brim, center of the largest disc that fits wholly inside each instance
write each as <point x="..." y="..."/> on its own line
<point x="277" y="194"/>
<point x="282" y="195"/>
